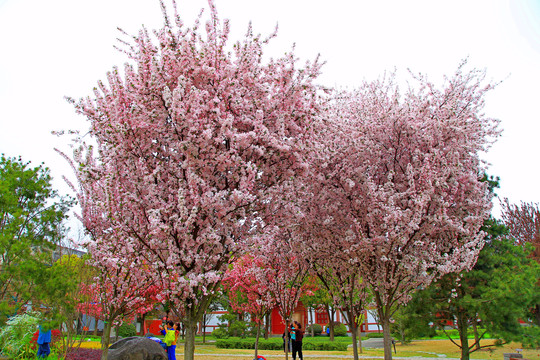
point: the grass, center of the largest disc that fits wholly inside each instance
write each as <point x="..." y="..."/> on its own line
<point x="417" y="348"/>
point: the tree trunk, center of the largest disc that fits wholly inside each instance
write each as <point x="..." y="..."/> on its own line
<point x="183" y="331"/>
<point x="204" y="328"/>
<point x="95" y="325"/>
<point x="463" y="336"/>
<point x="257" y="341"/>
<point x="331" y="314"/>
<point x="476" y="337"/>
<point x="387" y="337"/>
<point x="143" y="324"/>
<point x="106" y="339"/>
<point x="286" y="340"/>
<point x="189" y="344"/>
<point x="352" y="325"/>
<point x="360" y="339"/>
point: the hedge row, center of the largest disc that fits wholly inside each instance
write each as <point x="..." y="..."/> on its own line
<point x="277" y="344"/>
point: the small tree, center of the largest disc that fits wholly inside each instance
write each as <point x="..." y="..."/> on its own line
<point x="248" y="284"/>
<point x="60" y="296"/>
<point x="286" y="275"/>
<point x="120" y="289"/>
<point x="31" y="215"/>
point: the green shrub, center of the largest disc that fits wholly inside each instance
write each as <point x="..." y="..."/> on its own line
<point x="16" y="335"/>
<point x="317" y="329"/>
<point x="277" y="344"/>
<point x="340" y="329"/>
<point x="220" y="333"/>
<point x="324" y="346"/>
<point x="375" y="335"/>
<point x="127" y="330"/>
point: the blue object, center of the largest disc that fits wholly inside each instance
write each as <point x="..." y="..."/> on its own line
<point x="44" y="350"/>
<point x="44" y="336"/>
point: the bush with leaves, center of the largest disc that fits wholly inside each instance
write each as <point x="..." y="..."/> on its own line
<point x="16" y="336"/>
<point x="277" y="344"/>
<point x="127" y="330"/>
<point x="317" y="329"/>
<point x="377" y="335"/>
<point x="220" y="333"/>
<point x="340" y="329"/>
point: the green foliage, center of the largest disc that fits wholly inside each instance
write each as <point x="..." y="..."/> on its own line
<point x="375" y="335"/>
<point x="412" y="322"/>
<point x="317" y="329"/>
<point x="31" y="226"/>
<point x="220" y="333"/>
<point x="127" y="330"/>
<point x="495" y="294"/>
<point x="531" y="337"/>
<point x="277" y="344"/>
<point x="231" y="326"/>
<point x="340" y="329"/>
<point x="15" y="336"/>
<point x="324" y="346"/>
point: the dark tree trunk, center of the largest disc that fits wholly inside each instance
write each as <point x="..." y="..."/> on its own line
<point x="106" y="339"/>
<point x="352" y="326"/>
<point x="204" y="328"/>
<point x="257" y="341"/>
<point x="476" y="337"/>
<point x="387" y="337"/>
<point x="189" y="344"/>
<point x="463" y="335"/>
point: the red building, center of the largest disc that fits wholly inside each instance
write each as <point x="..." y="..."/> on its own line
<point x="301" y="315"/>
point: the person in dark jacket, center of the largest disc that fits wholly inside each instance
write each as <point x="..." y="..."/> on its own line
<point x="297" y="342"/>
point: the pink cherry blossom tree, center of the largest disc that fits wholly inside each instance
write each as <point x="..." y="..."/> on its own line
<point x="343" y="280"/>
<point x="404" y="171"/>
<point x="325" y="219"/>
<point x="286" y="271"/>
<point x="123" y="284"/>
<point x="191" y="138"/>
<point x="118" y="293"/>
<point x="248" y="283"/>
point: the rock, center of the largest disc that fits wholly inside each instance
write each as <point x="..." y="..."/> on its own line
<point x="136" y="348"/>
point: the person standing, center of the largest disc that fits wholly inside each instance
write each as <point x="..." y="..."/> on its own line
<point x="44" y="340"/>
<point x="297" y="342"/>
<point x="170" y="339"/>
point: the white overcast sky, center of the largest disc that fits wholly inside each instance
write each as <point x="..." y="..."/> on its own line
<point x="50" y="49"/>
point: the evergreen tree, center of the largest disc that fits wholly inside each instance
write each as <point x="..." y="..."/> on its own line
<point x="491" y="298"/>
<point x="31" y="215"/>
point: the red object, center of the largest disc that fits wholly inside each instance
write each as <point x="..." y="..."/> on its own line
<point x="152" y="326"/>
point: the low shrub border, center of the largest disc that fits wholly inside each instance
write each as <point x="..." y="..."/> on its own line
<point x="277" y="344"/>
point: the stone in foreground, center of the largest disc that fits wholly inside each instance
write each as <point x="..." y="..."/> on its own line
<point x="136" y="348"/>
